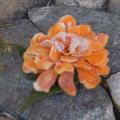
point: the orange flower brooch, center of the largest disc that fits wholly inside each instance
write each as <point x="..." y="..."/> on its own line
<point x="67" y="47"/>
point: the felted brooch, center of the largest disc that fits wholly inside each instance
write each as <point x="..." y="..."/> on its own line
<point x="65" y="49"/>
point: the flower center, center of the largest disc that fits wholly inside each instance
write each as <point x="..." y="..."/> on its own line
<point x="70" y="43"/>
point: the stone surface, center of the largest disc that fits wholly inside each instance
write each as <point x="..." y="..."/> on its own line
<point x="45" y="17"/>
<point x="8" y="114"/>
<point x="114" y="6"/>
<point x="114" y="85"/>
<point x="4" y="118"/>
<point x="87" y="105"/>
<point x="10" y="9"/>
<point x="14" y="86"/>
<point x="91" y="4"/>
<point x="21" y="32"/>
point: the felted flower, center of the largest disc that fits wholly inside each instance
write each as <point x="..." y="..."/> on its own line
<point x="67" y="46"/>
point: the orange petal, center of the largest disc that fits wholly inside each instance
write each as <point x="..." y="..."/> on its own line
<point x="99" y="42"/>
<point x="68" y="20"/>
<point x="98" y="57"/>
<point x="54" y="54"/>
<point x="90" y="35"/>
<point x="28" y="58"/>
<point x="104" y="70"/>
<point x="80" y="30"/>
<point x="68" y="59"/>
<point x="28" y="65"/>
<point x="43" y="64"/>
<point x="73" y="29"/>
<point x="102" y="38"/>
<point x="33" y="58"/>
<point x="37" y="39"/>
<point x="103" y="63"/>
<point x="86" y="53"/>
<point x="29" y="68"/>
<point x="82" y="54"/>
<point x="90" y="78"/>
<point x="45" y="80"/>
<point x="82" y="64"/>
<point x="79" y="46"/>
<point x="37" y="51"/>
<point x="84" y="29"/>
<point x="58" y="27"/>
<point x="96" y="45"/>
<point x="61" y="67"/>
<point x="66" y="82"/>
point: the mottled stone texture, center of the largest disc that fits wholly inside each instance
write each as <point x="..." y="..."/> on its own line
<point x="91" y="4"/>
<point x="14" y="87"/>
<point x="114" y="6"/>
<point x="87" y="105"/>
<point x="4" y="118"/>
<point x="45" y="17"/>
<point x="114" y="85"/>
<point x="12" y="9"/>
<point x="21" y="32"/>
